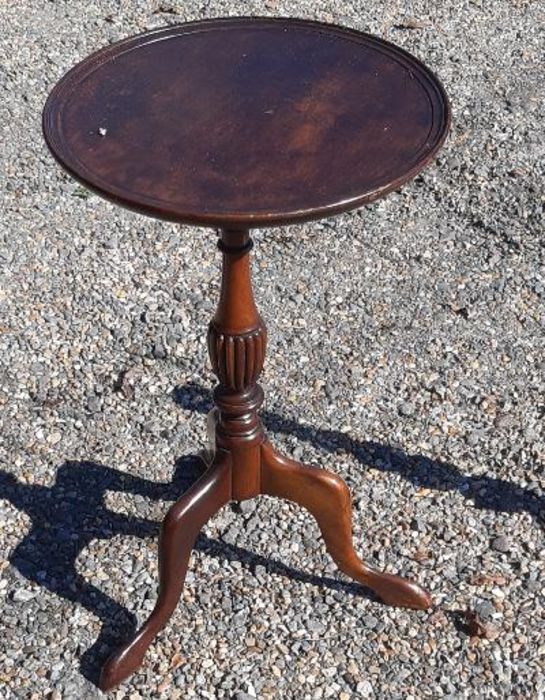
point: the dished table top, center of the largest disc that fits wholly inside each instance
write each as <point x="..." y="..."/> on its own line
<point x="246" y="122"/>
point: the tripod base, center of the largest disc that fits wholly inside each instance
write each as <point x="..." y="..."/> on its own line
<point x="322" y="493"/>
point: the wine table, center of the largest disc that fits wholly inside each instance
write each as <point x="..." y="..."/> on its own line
<point x="235" y="124"/>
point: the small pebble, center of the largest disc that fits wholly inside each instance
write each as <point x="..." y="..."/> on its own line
<point x="501" y="544"/>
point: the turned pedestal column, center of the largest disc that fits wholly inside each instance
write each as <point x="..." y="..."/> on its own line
<point x="243" y="464"/>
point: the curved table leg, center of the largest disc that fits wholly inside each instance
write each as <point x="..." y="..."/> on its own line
<point x="327" y="498"/>
<point x="178" y="534"/>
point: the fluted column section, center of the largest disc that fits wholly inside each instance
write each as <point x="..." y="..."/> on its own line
<point x="237" y="340"/>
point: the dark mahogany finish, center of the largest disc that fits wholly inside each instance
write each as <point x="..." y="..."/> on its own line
<point x="239" y="123"/>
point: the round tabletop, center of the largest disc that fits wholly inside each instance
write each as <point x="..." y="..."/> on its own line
<point x="246" y="122"/>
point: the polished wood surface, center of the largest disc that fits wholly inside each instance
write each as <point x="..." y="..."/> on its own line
<point x="243" y="464"/>
<point x="178" y="534"/>
<point x="246" y="122"/>
<point x="327" y="498"/>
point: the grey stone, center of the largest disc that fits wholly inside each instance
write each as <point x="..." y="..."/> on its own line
<point x="316" y="626"/>
<point x="407" y="409"/>
<point x="93" y="403"/>
<point x="22" y="595"/>
<point x="370" y="621"/>
<point x="501" y="544"/>
<point x="485" y="609"/>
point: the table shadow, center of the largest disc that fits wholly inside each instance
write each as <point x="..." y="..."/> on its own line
<point x="67" y="516"/>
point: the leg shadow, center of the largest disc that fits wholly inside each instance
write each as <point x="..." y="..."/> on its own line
<point x="65" y="519"/>
<point x="231" y="552"/>
<point x="486" y="492"/>
<point x="68" y="516"/>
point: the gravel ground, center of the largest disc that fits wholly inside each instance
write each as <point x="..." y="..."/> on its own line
<point x="413" y="366"/>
